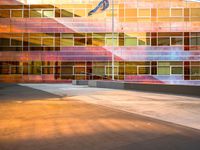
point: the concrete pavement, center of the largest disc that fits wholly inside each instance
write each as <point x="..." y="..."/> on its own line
<point x="181" y="110"/>
<point x="37" y="120"/>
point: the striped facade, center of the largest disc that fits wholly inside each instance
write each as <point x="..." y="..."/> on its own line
<point x="155" y="41"/>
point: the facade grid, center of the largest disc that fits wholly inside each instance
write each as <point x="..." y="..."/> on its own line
<point x="155" y="41"/>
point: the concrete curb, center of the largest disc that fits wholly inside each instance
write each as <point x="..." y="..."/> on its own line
<point x="186" y="90"/>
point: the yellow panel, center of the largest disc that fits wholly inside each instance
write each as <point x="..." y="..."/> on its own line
<point x="176" y="12"/>
<point x="163" y="13"/>
<point x="144" y="12"/>
<point x="131" y="12"/>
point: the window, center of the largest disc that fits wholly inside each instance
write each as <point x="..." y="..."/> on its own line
<point x="16" y="69"/>
<point x="35" y="41"/>
<point x="130" y="68"/>
<point x="67" y="13"/>
<point x="98" y="41"/>
<point x="16" y="13"/>
<point x="195" y="41"/>
<point x="67" y="42"/>
<point x="16" y="41"/>
<point x="164" y="41"/>
<point x="79" y="70"/>
<point x="109" y="70"/>
<point x="176" y="12"/>
<point x="111" y="42"/>
<point x="144" y="13"/>
<point x="163" y="68"/>
<point x="163" y="12"/>
<point x="195" y="12"/>
<point x="4" y="13"/>
<point x="47" y="70"/>
<point x="35" y="13"/>
<point x="176" y="41"/>
<point x="48" y="42"/>
<point x="176" y="70"/>
<point x="131" y="12"/>
<point x="35" y="68"/>
<point x="4" y="42"/>
<point x="48" y="13"/>
<point x="130" y="41"/>
<point x="98" y="70"/>
<point x="79" y="41"/>
<point x="144" y="41"/>
<point x="142" y="70"/>
<point x="79" y="13"/>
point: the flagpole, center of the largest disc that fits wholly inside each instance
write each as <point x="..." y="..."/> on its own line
<point x="113" y="57"/>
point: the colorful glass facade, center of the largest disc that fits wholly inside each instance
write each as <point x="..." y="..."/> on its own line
<point x="155" y="41"/>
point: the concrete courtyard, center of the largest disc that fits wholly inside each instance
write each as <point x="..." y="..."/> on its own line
<point x="69" y="117"/>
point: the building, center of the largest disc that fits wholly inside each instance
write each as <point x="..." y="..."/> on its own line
<point x="155" y="41"/>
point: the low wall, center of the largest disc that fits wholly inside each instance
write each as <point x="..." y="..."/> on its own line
<point x="187" y="90"/>
<point x="80" y="82"/>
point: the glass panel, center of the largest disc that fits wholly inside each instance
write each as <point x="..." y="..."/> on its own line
<point x="195" y="70"/>
<point x="131" y="41"/>
<point x="109" y="70"/>
<point x="79" y="70"/>
<point x="79" y="13"/>
<point x="98" y="70"/>
<point x="48" y="41"/>
<point x="4" y="13"/>
<point x="35" y="13"/>
<point x="48" y="13"/>
<point x="144" y="12"/>
<point x="144" y="70"/>
<point x="79" y="41"/>
<point x="16" y="42"/>
<point x="16" y="13"/>
<point x="4" y="42"/>
<point x="67" y="42"/>
<point x="163" y="12"/>
<point x="176" y="12"/>
<point x="35" y="68"/>
<point x="163" y="70"/>
<point x="98" y="41"/>
<point x="164" y="41"/>
<point x="195" y="12"/>
<point x="176" y="41"/>
<point x="131" y="12"/>
<point x="109" y="42"/>
<point x="67" y="13"/>
<point x="144" y="41"/>
<point x="177" y="70"/>
<point x="130" y="69"/>
<point x="195" y="41"/>
<point x="47" y="70"/>
<point x="35" y="41"/>
<point x="16" y="70"/>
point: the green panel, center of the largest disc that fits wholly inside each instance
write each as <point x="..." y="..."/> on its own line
<point x="177" y="70"/>
<point x="130" y="41"/>
<point x="163" y="70"/>
<point x="109" y="42"/>
<point x="67" y="42"/>
<point x="98" y="70"/>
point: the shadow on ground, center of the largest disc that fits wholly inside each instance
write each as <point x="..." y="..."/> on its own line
<point x="17" y="92"/>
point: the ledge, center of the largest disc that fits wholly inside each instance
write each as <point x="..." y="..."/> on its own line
<point x="186" y="90"/>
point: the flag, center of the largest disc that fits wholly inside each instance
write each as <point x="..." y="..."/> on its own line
<point x="102" y="6"/>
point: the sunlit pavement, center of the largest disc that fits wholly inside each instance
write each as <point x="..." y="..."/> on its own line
<point x="181" y="110"/>
<point x="32" y="119"/>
